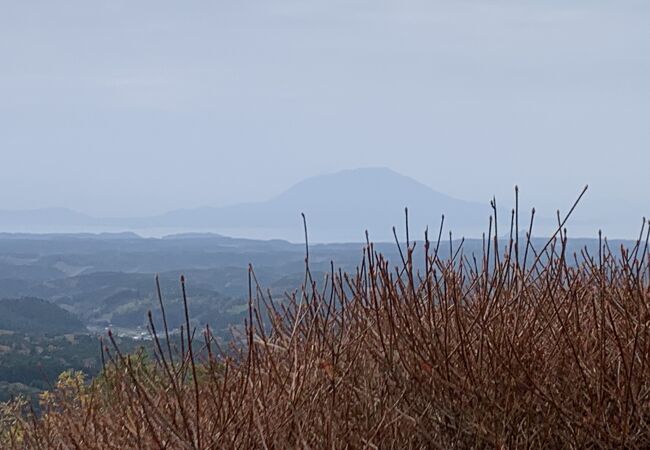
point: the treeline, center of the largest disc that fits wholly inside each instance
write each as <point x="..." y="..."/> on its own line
<point x="32" y="363"/>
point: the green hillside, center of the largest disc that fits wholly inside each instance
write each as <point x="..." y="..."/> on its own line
<point x="34" y="315"/>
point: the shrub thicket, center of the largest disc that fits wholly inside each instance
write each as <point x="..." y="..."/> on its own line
<point x="519" y="347"/>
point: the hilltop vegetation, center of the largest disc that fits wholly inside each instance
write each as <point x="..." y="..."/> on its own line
<point x="515" y="347"/>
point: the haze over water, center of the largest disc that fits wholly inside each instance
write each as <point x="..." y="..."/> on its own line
<point x="127" y="109"/>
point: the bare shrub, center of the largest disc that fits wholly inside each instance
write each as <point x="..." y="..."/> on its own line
<point x="519" y="347"/>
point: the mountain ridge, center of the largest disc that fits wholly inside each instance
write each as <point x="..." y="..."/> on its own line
<point x="339" y="206"/>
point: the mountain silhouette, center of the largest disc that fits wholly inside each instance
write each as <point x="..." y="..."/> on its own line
<point x="339" y="207"/>
<point x="43" y="217"/>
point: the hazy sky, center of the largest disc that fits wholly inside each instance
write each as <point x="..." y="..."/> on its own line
<point x="137" y="107"/>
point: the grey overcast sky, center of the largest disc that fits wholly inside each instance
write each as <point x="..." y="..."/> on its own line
<point x="130" y="107"/>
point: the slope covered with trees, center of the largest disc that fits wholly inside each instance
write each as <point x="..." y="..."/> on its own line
<point x="37" y="316"/>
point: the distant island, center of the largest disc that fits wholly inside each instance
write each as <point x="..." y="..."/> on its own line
<point x="339" y="208"/>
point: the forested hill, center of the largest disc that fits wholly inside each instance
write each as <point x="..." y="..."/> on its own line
<point x="37" y="316"/>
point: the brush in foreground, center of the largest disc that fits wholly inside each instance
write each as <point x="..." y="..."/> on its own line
<point x="515" y="348"/>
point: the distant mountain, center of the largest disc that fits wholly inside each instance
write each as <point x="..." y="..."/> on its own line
<point x="339" y="207"/>
<point x="70" y="236"/>
<point x="45" y="216"/>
